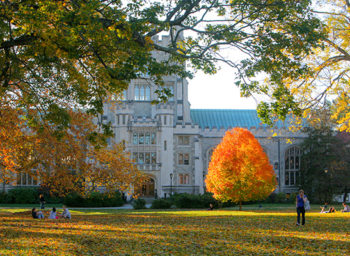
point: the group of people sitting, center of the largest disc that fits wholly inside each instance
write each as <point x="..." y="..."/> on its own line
<point x="324" y="209"/>
<point x="39" y="214"/>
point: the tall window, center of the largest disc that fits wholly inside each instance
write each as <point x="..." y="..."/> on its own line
<point x="142" y="92"/>
<point x="184" y="140"/>
<point x="184" y="159"/>
<point x="145" y="157"/>
<point x="124" y="95"/>
<point x="24" y="179"/>
<point x="292" y="166"/>
<point x="184" y="179"/>
<point x="144" y="138"/>
<point x="168" y="87"/>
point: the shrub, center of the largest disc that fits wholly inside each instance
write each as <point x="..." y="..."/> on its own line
<point x="194" y="201"/>
<point x="281" y="198"/>
<point x="4" y="198"/>
<point x="292" y="197"/>
<point x="50" y="198"/>
<point x="161" y="204"/>
<point x="227" y="204"/>
<point x="139" y="204"/>
<point x="94" y="199"/>
<point x="113" y="200"/>
<point x="73" y="199"/>
<point x="23" y="195"/>
<point x="277" y="198"/>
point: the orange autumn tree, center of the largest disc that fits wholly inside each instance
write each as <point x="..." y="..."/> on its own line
<point x="239" y="169"/>
<point x="64" y="160"/>
<point x="14" y="142"/>
<point x="78" y="159"/>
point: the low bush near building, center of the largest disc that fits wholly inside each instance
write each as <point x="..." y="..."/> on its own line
<point x="139" y="204"/>
<point x="161" y="204"/>
<point x="23" y="196"/>
<point x="4" y="198"/>
<point x="194" y="201"/>
<point x="94" y="199"/>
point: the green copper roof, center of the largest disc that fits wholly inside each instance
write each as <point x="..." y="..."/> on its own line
<point x="226" y="118"/>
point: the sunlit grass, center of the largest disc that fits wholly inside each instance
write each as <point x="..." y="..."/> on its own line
<point x="175" y="232"/>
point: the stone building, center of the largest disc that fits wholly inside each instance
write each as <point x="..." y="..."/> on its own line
<point x="173" y="143"/>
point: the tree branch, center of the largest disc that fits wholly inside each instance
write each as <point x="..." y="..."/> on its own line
<point x="22" y="40"/>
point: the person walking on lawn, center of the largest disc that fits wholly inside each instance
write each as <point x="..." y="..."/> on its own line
<point x="42" y="201"/>
<point x="300" y="204"/>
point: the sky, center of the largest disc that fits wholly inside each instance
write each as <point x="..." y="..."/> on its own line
<point x="217" y="91"/>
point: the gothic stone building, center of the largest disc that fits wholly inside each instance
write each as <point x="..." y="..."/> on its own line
<point x="173" y="143"/>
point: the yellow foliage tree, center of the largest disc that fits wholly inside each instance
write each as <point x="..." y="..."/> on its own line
<point x="64" y="160"/>
<point x="328" y="76"/>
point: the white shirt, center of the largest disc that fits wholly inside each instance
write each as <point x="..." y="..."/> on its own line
<point x="66" y="213"/>
<point x="52" y="215"/>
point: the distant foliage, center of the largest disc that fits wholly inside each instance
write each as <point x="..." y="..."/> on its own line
<point x="239" y="169"/>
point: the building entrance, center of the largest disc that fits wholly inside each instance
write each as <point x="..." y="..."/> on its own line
<point x="148" y="188"/>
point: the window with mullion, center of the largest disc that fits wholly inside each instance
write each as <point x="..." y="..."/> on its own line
<point x="292" y="166"/>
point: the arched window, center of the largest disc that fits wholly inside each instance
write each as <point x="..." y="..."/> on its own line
<point x="292" y="166"/>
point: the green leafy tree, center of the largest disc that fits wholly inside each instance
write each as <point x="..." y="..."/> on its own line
<point x="327" y="75"/>
<point x="78" y="52"/>
<point x="325" y="160"/>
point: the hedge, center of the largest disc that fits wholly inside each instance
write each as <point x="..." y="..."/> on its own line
<point x="139" y="204"/>
<point x="94" y="199"/>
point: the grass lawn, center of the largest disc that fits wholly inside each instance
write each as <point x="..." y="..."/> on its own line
<point x="253" y="231"/>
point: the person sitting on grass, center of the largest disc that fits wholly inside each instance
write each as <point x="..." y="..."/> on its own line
<point x="53" y="214"/>
<point x="331" y="210"/>
<point x="324" y="208"/>
<point x="346" y="208"/>
<point x="211" y="207"/>
<point x="65" y="213"/>
<point x="37" y="214"/>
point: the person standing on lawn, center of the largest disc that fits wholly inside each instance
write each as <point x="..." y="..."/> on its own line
<point x="300" y="204"/>
<point x="42" y="201"/>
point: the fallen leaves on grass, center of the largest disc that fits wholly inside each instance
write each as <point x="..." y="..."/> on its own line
<point x="176" y="233"/>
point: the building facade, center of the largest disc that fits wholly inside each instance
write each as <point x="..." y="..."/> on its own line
<point x="173" y="143"/>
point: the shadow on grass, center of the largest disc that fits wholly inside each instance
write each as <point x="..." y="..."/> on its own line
<point x="177" y="233"/>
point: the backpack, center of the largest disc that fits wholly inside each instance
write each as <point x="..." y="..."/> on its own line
<point x="307" y="205"/>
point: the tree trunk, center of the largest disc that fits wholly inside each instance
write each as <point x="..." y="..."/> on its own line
<point x="240" y="205"/>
